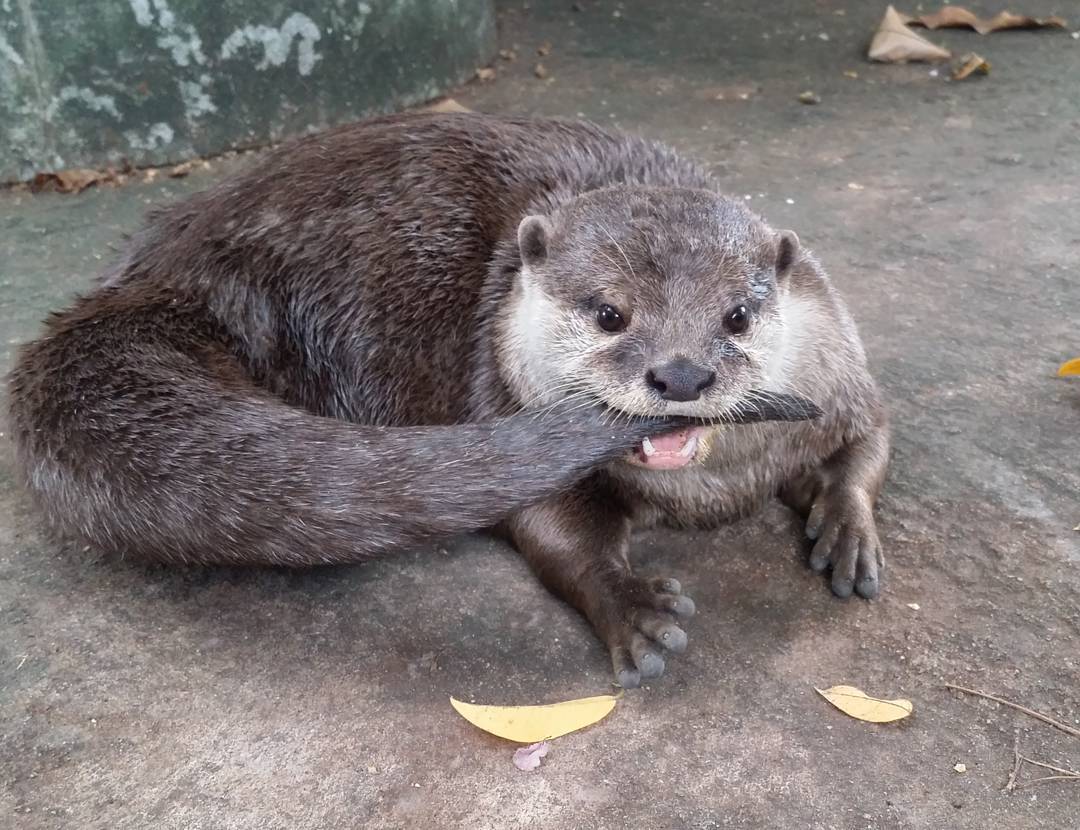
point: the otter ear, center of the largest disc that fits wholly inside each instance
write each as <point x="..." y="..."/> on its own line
<point x="787" y="254"/>
<point x="534" y="234"/>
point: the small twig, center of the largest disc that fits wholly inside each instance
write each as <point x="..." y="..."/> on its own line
<point x="1018" y="761"/>
<point x="1064" y="727"/>
<point x="1035" y="781"/>
<point x="1067" y="773"/>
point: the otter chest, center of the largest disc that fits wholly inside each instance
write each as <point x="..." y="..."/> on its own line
<point x="740" y="469"/>
<point x="692" y="497"/>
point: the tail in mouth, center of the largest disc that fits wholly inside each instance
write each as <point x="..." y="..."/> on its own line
<point x="138" y="431"/>
<point x="772" y="406"/>
<point x="679" y="446"/>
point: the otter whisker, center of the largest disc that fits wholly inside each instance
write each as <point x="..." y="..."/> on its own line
<point x="619" y="248"/>
<point x="614" y="263"/>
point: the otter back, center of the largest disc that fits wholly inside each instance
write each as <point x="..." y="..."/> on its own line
<point x="204" y="403"/>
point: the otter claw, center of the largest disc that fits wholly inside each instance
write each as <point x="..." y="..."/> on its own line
<point x="814" y="523"/>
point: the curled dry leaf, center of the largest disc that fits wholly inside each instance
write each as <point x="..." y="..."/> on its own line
<point x="532" y="724"/>
<point x="957" y="17"/>
<point x="528" y="757"/>
<point x="75" y="180"/>
<point x="1069" y="367"/>
<point x="970" y="64"/>
<point x="858" y="704"/>
<point x="895" y="43"/>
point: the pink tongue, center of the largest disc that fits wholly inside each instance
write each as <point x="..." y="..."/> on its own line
<point x="671" y="442"/>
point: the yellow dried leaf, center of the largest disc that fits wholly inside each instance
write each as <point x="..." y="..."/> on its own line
<point x="859" y="705"/>
<point x="532" y="724"/>
<point x="1069" y="367"/>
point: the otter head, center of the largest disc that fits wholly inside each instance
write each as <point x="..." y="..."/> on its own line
<point x="654" y="301"/>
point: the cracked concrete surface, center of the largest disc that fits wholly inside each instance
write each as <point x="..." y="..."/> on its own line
<point x="135" y="696"/>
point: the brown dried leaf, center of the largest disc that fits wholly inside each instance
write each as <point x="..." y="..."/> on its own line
<point x="181" y="170"/>
<point x="540" y="71"/>
<point x="957" y="17"/>
<point x="75" y="180"/>
<point x="485" y="73"/>
<point x="895" y="43"/>
<point x="969" y="65"/>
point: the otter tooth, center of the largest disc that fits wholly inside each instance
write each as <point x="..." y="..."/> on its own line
<point x="647" y="447"/>
<point x="690" y="448"/>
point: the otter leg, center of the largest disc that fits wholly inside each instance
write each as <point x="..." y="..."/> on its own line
<point x="577" y="545"/>
<point x="838" y="500"/>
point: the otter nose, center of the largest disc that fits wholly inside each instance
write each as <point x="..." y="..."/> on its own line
<point x="680" y="380"/>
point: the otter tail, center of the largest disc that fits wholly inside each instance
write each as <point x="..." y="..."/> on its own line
<point x="138" y="433"/>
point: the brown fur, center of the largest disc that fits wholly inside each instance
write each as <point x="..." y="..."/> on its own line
<point x="328" y="357"/>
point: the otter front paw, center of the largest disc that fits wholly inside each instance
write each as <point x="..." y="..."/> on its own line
<point x="639" y="619"/>
<point x="846" y="540"/>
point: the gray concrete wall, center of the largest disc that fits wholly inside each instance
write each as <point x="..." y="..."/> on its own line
<point x="95" y="82"/>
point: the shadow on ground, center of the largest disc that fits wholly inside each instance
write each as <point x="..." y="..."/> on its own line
<point x="142" y="697"/>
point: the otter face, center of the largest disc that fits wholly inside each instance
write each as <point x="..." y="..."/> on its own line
<point x="655" y="301"/>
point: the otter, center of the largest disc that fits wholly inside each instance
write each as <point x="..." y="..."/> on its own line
<point x="425" y="324"/>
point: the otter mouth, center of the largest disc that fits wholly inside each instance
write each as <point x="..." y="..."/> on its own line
<point x="680" y="447"/>
<point x="669" y="451"/>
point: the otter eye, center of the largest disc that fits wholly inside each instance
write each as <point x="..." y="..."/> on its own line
<point x="737" y="320"/>
<point x="609" y="319"/>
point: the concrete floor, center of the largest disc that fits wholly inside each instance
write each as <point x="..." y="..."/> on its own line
<point x="135" y="696"/>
